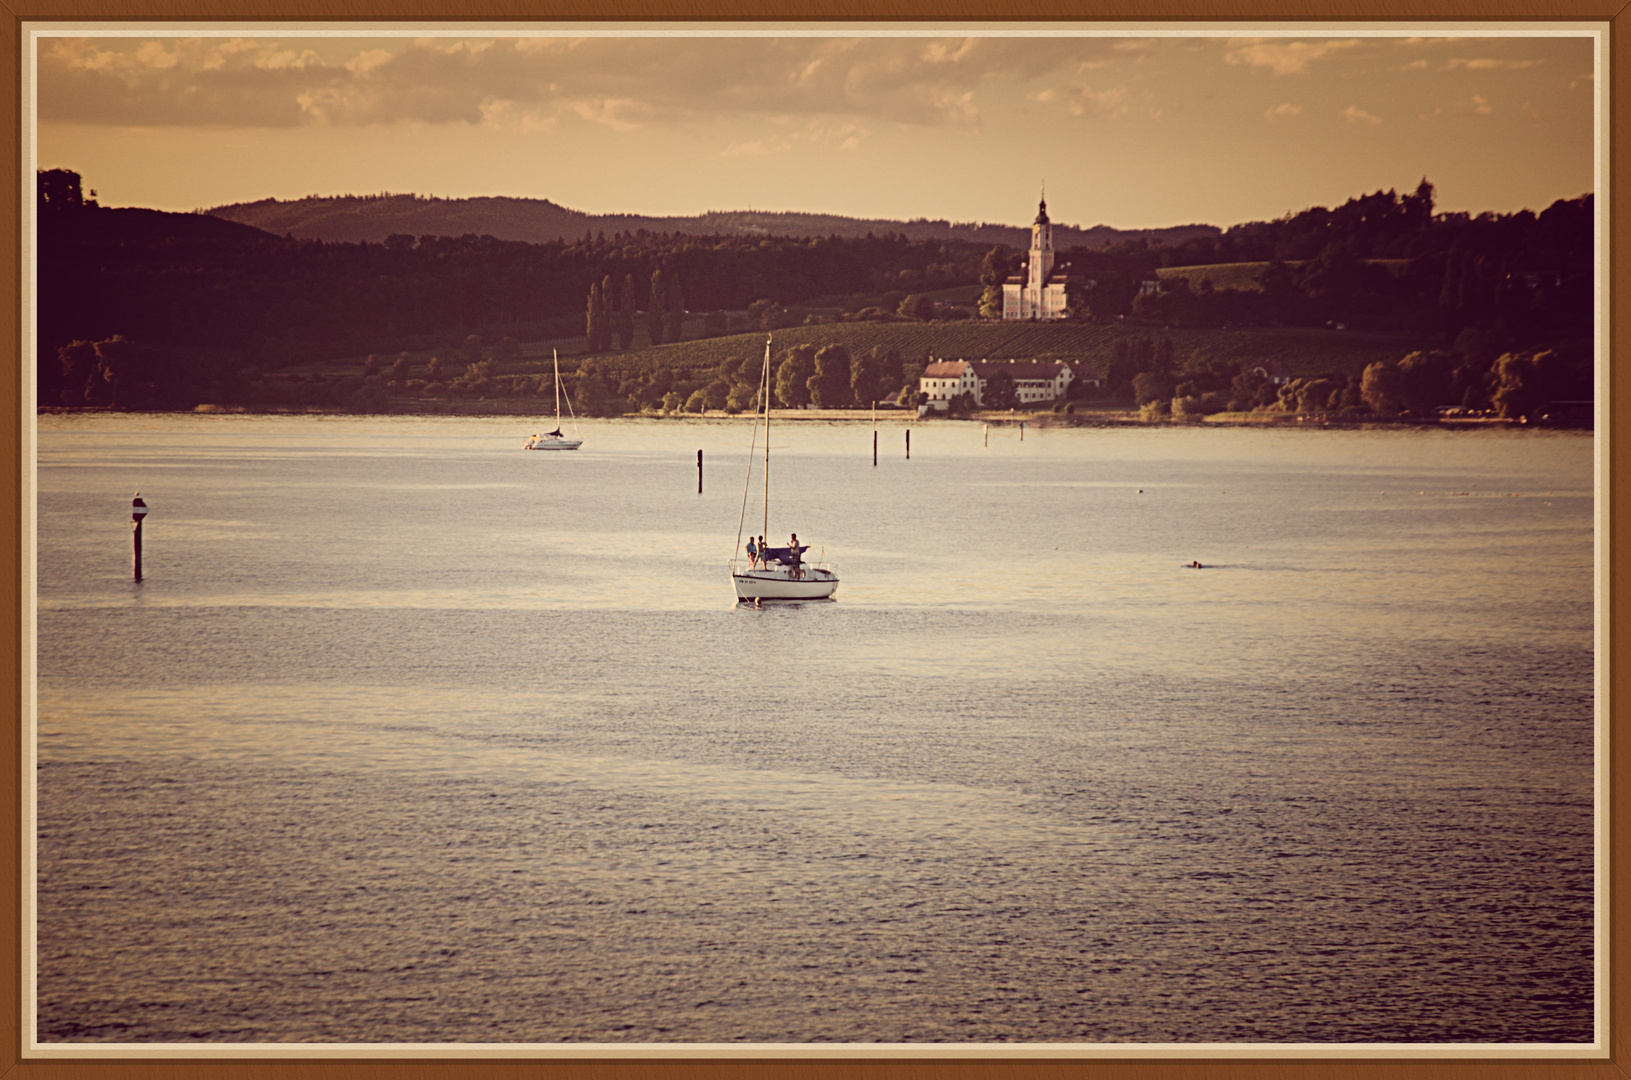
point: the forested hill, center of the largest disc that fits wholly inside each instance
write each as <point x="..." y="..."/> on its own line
<point x="373" y="218"/>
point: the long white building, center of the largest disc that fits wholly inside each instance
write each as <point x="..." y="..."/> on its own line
<point x="1034" y="381"/>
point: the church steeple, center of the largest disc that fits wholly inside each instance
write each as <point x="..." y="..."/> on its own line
<point x="1041" y="261"/>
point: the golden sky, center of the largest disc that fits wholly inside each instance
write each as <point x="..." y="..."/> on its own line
<point x="1133" y="131"/>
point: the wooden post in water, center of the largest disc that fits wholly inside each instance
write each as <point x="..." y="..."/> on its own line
<point x="699" y="472"/>
<point x="908" y="444"/>
<point x="1022" y="431"/>
<point x="874" y="434"/>
<point x="988" y="435"/>
<point x="138" y="510"/>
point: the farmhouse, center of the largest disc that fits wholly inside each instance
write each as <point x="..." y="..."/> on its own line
<point x="1038" y="290"/>
<point x="1034" y="381"/>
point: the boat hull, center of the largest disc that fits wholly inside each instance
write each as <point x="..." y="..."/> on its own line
<point x="555" y="444"/>
<point x="777" y="584"/>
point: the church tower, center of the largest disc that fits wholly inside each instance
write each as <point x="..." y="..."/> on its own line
<point x="1041" y="264"/>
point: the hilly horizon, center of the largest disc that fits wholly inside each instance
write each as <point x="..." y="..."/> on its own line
<point x="373" y="218"/>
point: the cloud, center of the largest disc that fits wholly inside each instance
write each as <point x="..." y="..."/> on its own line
<point x="1414" y="65"/>
<point x="1490" y="64"/>
<point x="1283" y="112"/>
<point x="1086" y="101"/>
<point x="1355" y="115"/>
<point x="621" y="82"/>
<point x="1287" y="57"/>
<point x="814" y="134"/>
<point x="1481" y="106"/>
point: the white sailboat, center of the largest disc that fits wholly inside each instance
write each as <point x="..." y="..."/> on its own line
<point x="775" y="573"/>
<point x="555" y="440"/>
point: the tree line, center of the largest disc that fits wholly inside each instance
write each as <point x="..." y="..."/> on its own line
<point x="204" y="288"/>
<point x="1482" y="372"/>
<point x="139" y="308"/>
<point x="1381" y="261"/>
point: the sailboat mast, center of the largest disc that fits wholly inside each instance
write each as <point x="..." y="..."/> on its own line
<point x="557" y="353"/>
<point x="766" y="532"/>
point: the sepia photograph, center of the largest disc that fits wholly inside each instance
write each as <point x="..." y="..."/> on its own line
<point x="805" y="539"/>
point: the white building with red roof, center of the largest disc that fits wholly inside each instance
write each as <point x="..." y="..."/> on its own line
<point x="1038" y="290"/>
<point x="1034" y="380"/>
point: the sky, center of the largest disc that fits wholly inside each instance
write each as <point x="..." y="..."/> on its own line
<point x="1136" y="130"/>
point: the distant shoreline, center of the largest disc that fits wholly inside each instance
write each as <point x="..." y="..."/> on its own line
<point x="894" y="417"/>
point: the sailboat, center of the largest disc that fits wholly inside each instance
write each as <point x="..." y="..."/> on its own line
<point x="776" y="573"/>
<point x="554" y="440"/>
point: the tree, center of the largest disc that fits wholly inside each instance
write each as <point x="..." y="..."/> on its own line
<point x="793" y="375"/>
<point x="472" y="349"/>
<point x="59" y="189"/>
<point x="1112" y="295"/>
<point x="830" y="383"/>
<point x="654" y="313"/>
<point x="433" y="370"/>
<point x="625" y="314"/>
<point x="507" y="351"/>
<point x="592" y="329"/>
<point x="917" y="306"/>
<point x="590" y="394"/>
<point x="863" y="378"/>
<point x="676" y="310"/>
<point x="78" y="364"/>
<point x="996" y="266"/>
<point x="116" y="359"/>
<point x="399" y="370"/>
<point x="1076" y="302"/>
<point x="911" y="377"/>
<point x="1314" y="395"/>
<point x="886" y="362"/>
<point x="999" y="392"/>
<point x="990" y="306"/>
<point x="1425" y="380"/>
<point x="1249" y="390"/>
<point x="1526" y="383"/>
<point x="994" y="270"/>
<point x="715" y="394"/>
<point x="1379" y="386"/>
<point x="1151" y="386"/>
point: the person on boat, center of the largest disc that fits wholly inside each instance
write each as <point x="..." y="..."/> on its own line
<point x="753" y="552"/>
<point x="764" y="550"/>
<point x="793" y="545"/>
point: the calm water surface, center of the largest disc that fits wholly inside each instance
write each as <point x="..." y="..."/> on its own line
<point x="411" y="735"/>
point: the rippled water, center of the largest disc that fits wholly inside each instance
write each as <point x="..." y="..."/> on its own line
<point x="410" y="735"/>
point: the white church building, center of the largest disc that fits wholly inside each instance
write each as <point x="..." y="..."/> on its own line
<point x="1038" y="290"/>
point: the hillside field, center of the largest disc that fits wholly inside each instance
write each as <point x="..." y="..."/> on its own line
<point x="1243" y="276"/>
<point x="1084" y="345"/>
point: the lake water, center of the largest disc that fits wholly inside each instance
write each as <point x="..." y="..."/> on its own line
<point x="410" y="735"/>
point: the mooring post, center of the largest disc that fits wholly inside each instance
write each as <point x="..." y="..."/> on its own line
<point x="908" y="444"/>
<point x="138" y="510"/>
<point x="988" y="435"/>
<point x="874" y="434"/>
<point x="699" y="472"/>
<point x="1022" y="431"/>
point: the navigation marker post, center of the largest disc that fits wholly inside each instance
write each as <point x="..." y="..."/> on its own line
<point x="699" y="472"/>
<point x="138" y="510"/>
